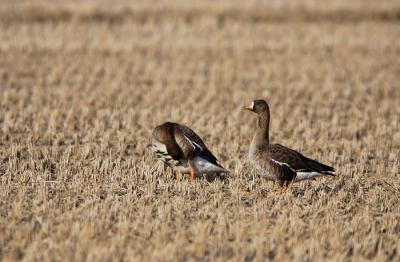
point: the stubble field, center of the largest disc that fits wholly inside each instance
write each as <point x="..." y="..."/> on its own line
<point x="83" y="84"/>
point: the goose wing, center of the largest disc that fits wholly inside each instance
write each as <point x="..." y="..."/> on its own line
<point x="192" y="145"/>
<point x="296" y="161"/>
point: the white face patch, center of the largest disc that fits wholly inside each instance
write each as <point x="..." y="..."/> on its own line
<point x="252" y="105"/>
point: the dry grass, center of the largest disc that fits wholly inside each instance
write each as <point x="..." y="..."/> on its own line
<point x="81" y="90"/>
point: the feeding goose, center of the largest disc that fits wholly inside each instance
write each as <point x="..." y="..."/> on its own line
<point x="276" y="162"/>
<point x="182" y="149"/>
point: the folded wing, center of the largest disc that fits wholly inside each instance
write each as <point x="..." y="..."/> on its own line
<point x="192" y="145"/>
<point x="296" y="161"/>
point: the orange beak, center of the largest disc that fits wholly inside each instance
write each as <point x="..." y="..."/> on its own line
<point x="248" y="108"/>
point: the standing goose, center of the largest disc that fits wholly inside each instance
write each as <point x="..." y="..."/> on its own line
<point x="276" y="162"/>
<point x="182" y="149"/>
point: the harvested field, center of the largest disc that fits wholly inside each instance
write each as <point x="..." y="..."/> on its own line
<point x="82" y="84"/>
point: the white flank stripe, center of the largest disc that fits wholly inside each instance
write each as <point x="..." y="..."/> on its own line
<point x="190" y="142"/>
<point x="281" y="164"/>
<point x="194" y="144"/>
<point x="197" y="145"/>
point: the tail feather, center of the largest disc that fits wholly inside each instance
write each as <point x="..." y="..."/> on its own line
<point x="319" y="167"/>
<point x="205" y="166"/>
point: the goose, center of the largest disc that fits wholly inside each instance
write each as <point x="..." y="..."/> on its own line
<point x="184" y="151"/>
<point x="276" y="162"/>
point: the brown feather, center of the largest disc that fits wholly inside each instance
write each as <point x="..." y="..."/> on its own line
<point x="183" y="143"/>
<point x="295" y="160"/>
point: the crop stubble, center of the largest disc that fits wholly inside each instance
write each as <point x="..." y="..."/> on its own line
<point x="82" y="87"/>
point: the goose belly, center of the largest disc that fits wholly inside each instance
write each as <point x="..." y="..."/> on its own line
<point x="262" y="171"/>
<point x="161" y="152"/>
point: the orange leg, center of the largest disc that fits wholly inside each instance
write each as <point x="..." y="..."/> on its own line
<point x="281" y="188"/>
<point x="178" y="176"/>
<point x="192" y="173"/>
